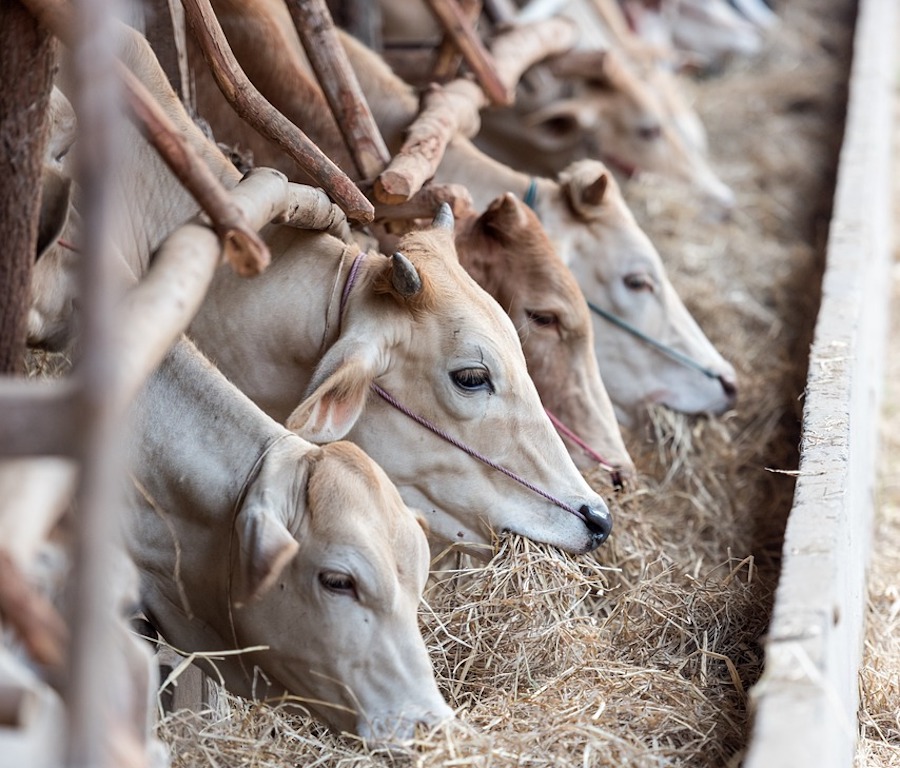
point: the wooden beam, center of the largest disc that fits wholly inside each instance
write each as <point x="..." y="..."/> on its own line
<point x="316" y="30"/>
<point x="459" y="28"/>
<point x="259" y="113"/>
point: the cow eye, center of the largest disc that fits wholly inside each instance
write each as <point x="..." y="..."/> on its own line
<point x="472" y="379"/>
<point x="649" y="132"/>
<point x="542" y="319"/>
<point x="639" y="281"/>
<point x="337" y="582"/>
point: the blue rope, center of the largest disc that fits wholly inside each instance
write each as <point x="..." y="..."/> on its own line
<point x="530" y="197"/>
<point x="666" y="350"/>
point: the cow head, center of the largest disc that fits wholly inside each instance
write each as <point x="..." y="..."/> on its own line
<point x="613" y="113"/>
<point x="334" y="592"/>
<point x="510" y="255"/>
<point x="620" y="271"/>
<point x="448" y="353"/>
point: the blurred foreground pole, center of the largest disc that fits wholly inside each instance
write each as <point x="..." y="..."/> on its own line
<point x="94" y="589"/>
<point x="27" y="55"/>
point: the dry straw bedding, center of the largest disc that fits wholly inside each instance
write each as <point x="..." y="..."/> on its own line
<point x="643" y="654"/>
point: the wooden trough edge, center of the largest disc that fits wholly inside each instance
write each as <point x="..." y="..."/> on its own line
<point x="805" y="703"/>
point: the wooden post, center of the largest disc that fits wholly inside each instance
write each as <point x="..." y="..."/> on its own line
<point x="315" y="28"/>
<point x="27" y="55"/>
<point x="259" y="113"/>
<point x="482" y="64"/>
<point x="449" y="58"/>
<point x="93" y="595"/>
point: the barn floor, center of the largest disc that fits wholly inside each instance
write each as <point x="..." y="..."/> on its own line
<point x="643" y="656"/>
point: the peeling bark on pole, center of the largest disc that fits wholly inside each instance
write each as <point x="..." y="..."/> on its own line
<point x="520" y="48"/>
<point x="27" y="56"/>
<point x="262" y="116"/>
<point x="447" y="111"/>
<point x="316" y="30"/>
<point x="454" y="108"/>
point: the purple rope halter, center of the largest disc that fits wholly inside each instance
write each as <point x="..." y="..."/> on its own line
<point x="421" y="420"/>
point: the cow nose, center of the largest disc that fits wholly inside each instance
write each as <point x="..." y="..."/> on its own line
<point x="599" y="523"/>
<point x="729" y="385"/>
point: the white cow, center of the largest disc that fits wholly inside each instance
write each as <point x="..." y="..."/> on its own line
<point x="246" y="535"/>
<point x="309" y="338"/>
<point x="447" y="351"/>
<point x="583" y="212"/>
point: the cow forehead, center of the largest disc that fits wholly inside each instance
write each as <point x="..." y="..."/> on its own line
<point x="461" y="317"/>
<point x="352" y="502"/>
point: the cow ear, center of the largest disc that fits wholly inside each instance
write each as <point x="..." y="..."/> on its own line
<point x="585" y="184"/>
<point x="265" y="545"/>
<point x="335" y="404"/>
<point x="505" y="217"/>
<point x="56" y="198"/>
<point x="560" y="124"/>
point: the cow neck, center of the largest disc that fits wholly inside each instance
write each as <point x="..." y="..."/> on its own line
<point x="435" y="429"/>
<point x="485" y="177"/>
<point x="252" y="475"/>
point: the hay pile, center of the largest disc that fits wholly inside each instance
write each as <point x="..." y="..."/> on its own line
<point x="642" y="654"/>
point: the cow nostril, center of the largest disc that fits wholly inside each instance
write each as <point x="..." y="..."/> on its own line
<point x="599" y="523"/>
<point x="730" y="387"/>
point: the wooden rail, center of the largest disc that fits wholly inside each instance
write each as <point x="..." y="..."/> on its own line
<point x="806" y="700"/>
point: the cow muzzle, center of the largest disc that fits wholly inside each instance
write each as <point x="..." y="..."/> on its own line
<point x="598" y="522"/>
<point x="390" y="732"/>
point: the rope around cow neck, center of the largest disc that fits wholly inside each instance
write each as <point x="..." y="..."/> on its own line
<point x="435" y="429"/>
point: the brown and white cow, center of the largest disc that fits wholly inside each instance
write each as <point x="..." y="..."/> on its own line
<point x="446" y="351"/>
<point x="584" y="214"/>
<point x="246" y="535"/>
<point x="507" y="251"/>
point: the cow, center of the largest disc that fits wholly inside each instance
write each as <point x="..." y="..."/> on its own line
<point x="248" y="537"/>
<point x="327" y="326"/>
<point x="582" y="211"/>
<point x="445" y="349"/>
<point x="712" y="31"/>
<point x="509" y="254"/>
<point x="609" y="101"/>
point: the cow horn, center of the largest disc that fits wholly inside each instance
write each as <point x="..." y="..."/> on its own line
<point x="404" y="278"/>
<point x="444" y="217"/>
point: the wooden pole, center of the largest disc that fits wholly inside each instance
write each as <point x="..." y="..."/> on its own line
<point x="448" y="58"/>
<point x="316" y="30"/>
<point x="27" y="56"/>
<point x="93" y="594"/>
<point x="480" y="61"/>
<point x="259" y="113"/>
